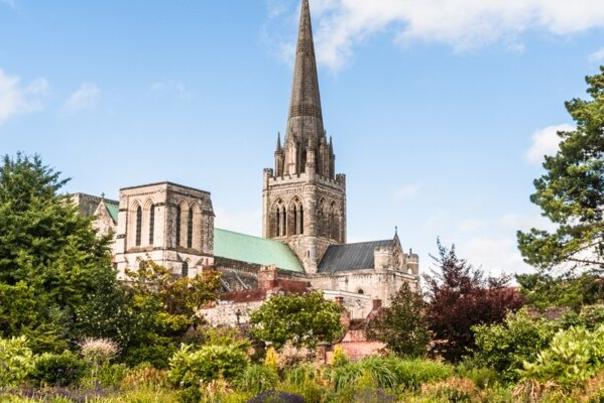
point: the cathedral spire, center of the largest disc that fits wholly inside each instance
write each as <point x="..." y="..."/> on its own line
<point x="305" y="113"/>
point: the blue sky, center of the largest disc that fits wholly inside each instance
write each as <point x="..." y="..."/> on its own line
<point x="440" y="109"/>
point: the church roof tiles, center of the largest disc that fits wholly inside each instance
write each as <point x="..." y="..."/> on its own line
<point x="355" y="256"/>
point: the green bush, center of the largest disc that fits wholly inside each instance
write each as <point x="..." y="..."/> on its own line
<point x="412" y="374"/>
<point x="58" y="369"/>
<point x="574" y="356"/>
<point x="17" y="361"/>
<point x="257" y="379"/>
<point x="505" y="347"/>
<point x="592" y="316"/>
<point x="189" y="368"/>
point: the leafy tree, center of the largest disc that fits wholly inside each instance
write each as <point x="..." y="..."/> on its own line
<point x="403" y="326"/>
<point x="460" y="297"/>
<point x="57" y="284"/>
<point x="162" y="308"/>
<point x="571" y="192"/>
<point x="543" y="290"/>
<point x="303" y="320"/>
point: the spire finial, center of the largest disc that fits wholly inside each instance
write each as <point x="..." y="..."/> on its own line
<point x="278" y="141"/>
<point x="305" y="99"/>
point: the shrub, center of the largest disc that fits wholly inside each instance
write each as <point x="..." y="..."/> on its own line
<point x="99" y="351"/>
<point x="574" y="356"/>
<point x="16" y="361"/>
<point x="258" y="378"/>
<point x="272" y="359"/>
<point x="592" y="316"/>
<point x="339" y="357"/>
<point x="505" y="347"/>
<point x="483" y="377"/>
<point x="144" y="377"/>
<point x="301" y="374"/>
<point x="58" y="369"/>
<point x="411" y="374"/>
<point x="189" y="368"/>
<point x="452" y="390"/>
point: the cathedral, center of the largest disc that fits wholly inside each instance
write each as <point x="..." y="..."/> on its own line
<point x="303" y="243"/>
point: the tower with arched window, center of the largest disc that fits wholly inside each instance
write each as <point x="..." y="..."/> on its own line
<point x="304" y="198"/>
<point x="170" y="224"/>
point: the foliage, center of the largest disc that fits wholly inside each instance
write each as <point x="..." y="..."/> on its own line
<point x="271" y="360"/>
<point x="16" y="361"/>
<point x="543" y="290"/>
<point x="403" y="326"/>
<point x="189" y="367"/>
<point x="460" y="297"/>
<point x="411" y="374"/>
<point x="144" y="376"/>
<point x="571" y="192"/>
<point x="98" y="351"/>
<point x="258" y="378"/>
<point x="163" y="308"/>
<point x="57" y="284"/>
<point x="58" y="369"/>
<point x="339" y="356"/>
<point x="574" y="356"/>
<point x="506" y="346"/>
<point x="304" y="320"/>
<point x="452" y="390"/>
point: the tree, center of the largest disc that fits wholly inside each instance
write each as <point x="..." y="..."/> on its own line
<point x="543" y="290"/>
<point x="57" y="284"/>
<point x="571" y="192"/>
<point x="162" y="309"/>
<point x="303" y="320"/>
<point x="460" y="297"/>
<point x="403" y="326"/>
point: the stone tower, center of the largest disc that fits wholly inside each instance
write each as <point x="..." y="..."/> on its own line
<point x="304" y="201"/>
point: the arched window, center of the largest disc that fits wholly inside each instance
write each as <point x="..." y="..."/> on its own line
<point x="190" y="229"/>
<point x="185" y="269"/>
<point x="178" y="216"/>
<point x="151" y="224"/>
<point x="301" y="220"/>
<point x="283" y="221"/>
<point x="139" y="225"/>
<point x="361" y="292"/>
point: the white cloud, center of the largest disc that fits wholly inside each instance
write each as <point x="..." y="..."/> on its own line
<point x="86" y="97"/>
<point x="496" y="255"/>
<point x="597" y="56"/>
<point x="16" y="99"/>
<point x="461" y="24"/>
<point x="171" y="87"/>
<point x="546" y="142"/>
<point x="407" y="192"/>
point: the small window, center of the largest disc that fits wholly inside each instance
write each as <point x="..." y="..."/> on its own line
<point x="139" y="224"/>
<point x="185" y="269"/>
<point x="361" y="292"/>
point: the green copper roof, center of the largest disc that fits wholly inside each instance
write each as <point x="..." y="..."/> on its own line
<point x="251" y="249"/>
<point x="113" y="210"/>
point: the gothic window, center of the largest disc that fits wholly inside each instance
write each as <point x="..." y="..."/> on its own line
<point x="151" y="224"/>
<point x="283" y="226"/>
<point x="185" y="269"/>
<point x="178" y="217"/>
<point x="190" y="229"/>
<point x="301" y="220"/>
<point x="139" y="225"/>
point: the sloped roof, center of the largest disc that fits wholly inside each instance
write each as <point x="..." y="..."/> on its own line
<point x="354" y="256"/>
<point x="251" y="249"/>
<point x="113" y="209"/>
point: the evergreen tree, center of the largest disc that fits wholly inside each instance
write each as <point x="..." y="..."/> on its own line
<point x="571" y="192"/>
<point x="403" y="326"/>
<point x="56" y="280"/>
